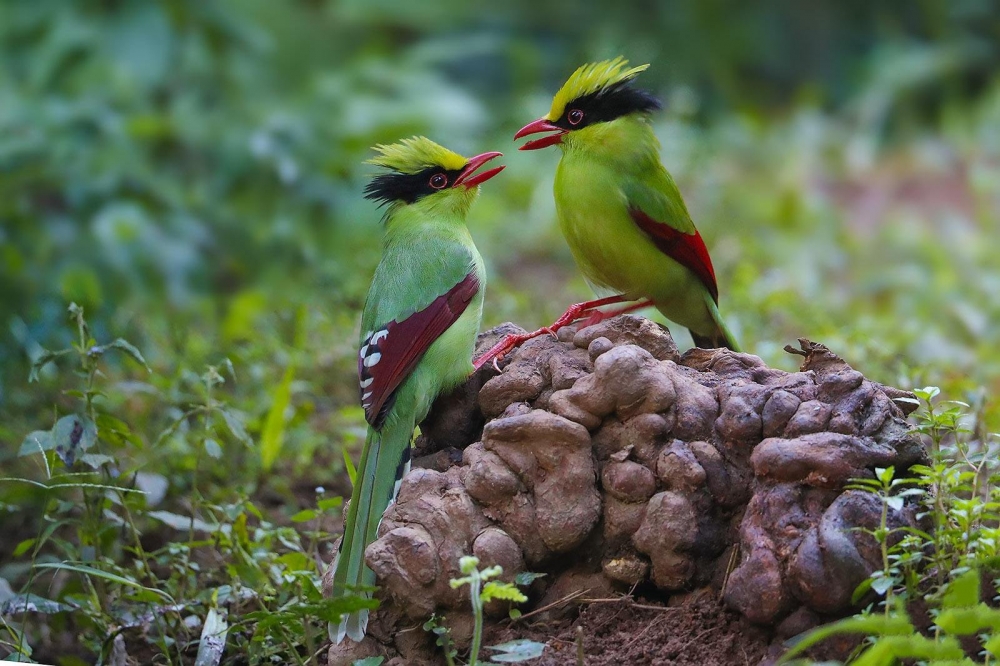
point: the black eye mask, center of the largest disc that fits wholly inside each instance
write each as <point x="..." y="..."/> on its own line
<point x="608" y="104"/>
<point x="408" y="187"/>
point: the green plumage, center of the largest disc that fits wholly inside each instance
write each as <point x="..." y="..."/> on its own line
<point x="605" y="170"/>
<point x="427" y="251"/>
<point x="619" y="209"/>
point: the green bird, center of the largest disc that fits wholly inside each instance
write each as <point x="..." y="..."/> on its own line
<point x="419" y="328"/>
<point x="620" y="210"/>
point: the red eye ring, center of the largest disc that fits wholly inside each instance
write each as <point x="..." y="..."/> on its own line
<point x="574" y="117"/>
<point x="438" y="181"/>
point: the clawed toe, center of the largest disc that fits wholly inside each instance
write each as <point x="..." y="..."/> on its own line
<point x="587" y="311"/>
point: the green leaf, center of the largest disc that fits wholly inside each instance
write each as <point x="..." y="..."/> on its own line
<point x="885" y="474"/>
<point x="505" y="591"/>
<point x="72" y="435"/>
<point x="128" y="348"/>
<point x="968" y="621"/>
<point x="861" y="590"/>
<point x="896" y="624"/>
<point x="113" y="429"/>
<point x="297" y="562"/>
<point x="235" y="425"/>
<point x="227" y="365"/>
<point x="245" y="309"/>
<point x="213" y="639"/>
<point x="963" y="592"/>
<point x="23" y="547"/>
<point x="304" y="515"/>
<point x="331" y="609"/>
<point x="273" y="436"/>
<point x="881" y="585"/>
<point x="23" y="657"/>
<point x="91" y="571"/>
<point x="96" y="460"/>
<point x="525" y="578"/>
<point x="330" y="503"/>
<point x="515" y="651"/>
<point x="254" y="511"/>
<point x="993" y="645"/>
<point x="183" y="523"/>
<point x="368" y="661"/>
<point x="38" y="441"/>
<point x="44" y="359"/>
<point x="213" y="449"/>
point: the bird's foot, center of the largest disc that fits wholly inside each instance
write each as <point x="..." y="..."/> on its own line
<point x="597" y="316"/>
<point x="579" y="310"/>
<point x="508" y="342"/>
<point x="572" y="314"/>
<point x="588" y="311"/>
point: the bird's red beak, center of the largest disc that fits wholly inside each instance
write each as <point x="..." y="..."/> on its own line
<point x="470" y="178"/>
<point x="540" y="125"/>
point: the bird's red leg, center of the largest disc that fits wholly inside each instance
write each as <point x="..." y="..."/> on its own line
<point x="577" y="310"/>
<point x="598" y="316"/>
<point x="573" y="312"/>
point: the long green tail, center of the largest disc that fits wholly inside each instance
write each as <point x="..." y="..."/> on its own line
<point x="721" y="337"/>
<point x="384" y="461"/>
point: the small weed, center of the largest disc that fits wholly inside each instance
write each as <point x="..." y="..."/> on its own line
<point x="232" y="580"/>
<point x="483" y="588"/>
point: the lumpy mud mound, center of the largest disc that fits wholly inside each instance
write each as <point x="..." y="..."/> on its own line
<point x="610" y="462"/>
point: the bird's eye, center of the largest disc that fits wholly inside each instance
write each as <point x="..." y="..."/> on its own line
<point x="575" y="116"/>
<point x="438" y="181"/>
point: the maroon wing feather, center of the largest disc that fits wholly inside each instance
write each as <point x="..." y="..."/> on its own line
<point x="686" y="249"/>
<point x="389" y="354"/>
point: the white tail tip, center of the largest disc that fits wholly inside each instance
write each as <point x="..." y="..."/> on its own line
<point x="351" y="626"/>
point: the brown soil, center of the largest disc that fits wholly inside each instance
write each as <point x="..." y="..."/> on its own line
<point x="699" y="631"/>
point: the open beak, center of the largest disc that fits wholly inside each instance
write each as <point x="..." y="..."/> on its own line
<point x="540" y="125"/>
<point x="470" y="178"/>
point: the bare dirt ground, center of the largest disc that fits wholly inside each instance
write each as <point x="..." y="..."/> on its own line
<point x="698" y="631"/>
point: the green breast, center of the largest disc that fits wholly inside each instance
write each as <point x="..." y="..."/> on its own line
<point x="612" y="251"/>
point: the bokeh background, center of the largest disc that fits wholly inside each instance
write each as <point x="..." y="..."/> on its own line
<point x="190" y="173"/>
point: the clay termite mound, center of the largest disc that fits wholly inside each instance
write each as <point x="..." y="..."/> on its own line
<point x="611" y="462"/>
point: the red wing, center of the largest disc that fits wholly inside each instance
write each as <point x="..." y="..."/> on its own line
<point x="389" y="354"/>
<point x="686" y="249"/>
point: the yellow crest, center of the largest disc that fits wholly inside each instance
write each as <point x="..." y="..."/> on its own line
<point x="591" y="78"/>
<point x="416" y="154"/>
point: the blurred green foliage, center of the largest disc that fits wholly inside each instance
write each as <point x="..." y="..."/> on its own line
<point x="190" y="173"/>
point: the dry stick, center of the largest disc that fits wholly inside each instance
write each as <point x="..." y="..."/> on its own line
<point x="558" y="602"/>
<point x="579" y="646"/>
<point x="631" y="605"/>
<point x="733" y="557"/>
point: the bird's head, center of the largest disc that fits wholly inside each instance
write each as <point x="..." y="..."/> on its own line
<point x="592" y="100"/>
<point x="425" y="174"/>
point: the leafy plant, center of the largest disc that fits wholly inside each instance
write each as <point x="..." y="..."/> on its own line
<point x="483" y="588"/>
<point x="959" y="496"/>
<point x="230" y="578"/>
<point x="893" y="636"/>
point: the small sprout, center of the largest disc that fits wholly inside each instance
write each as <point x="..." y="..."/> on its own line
<point x="483" y="590"/>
